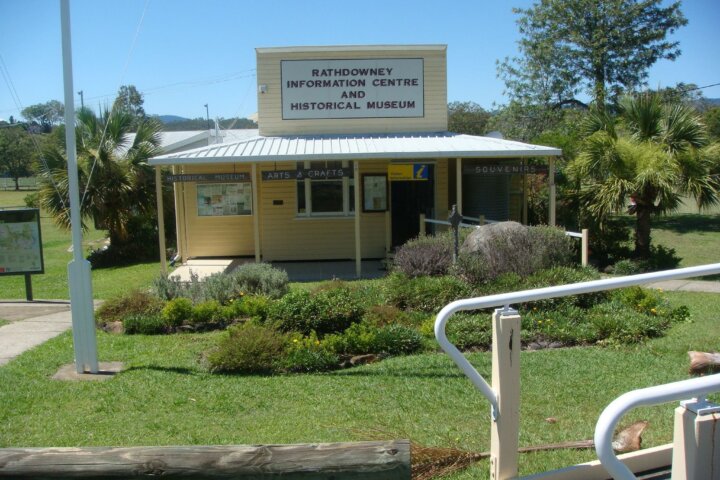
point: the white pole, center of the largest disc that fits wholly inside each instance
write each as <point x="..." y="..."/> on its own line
<point x="81" y="301"/>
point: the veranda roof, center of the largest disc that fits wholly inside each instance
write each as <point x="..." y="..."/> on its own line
<point x="410" y="146"/>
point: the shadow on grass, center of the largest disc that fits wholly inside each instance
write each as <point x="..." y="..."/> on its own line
<point x="177" y="370"/>
<point x="348" y="372"/>
<point x="689" y="222"/>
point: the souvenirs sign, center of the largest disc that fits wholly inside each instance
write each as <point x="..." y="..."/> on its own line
<point x="505" y="169"/>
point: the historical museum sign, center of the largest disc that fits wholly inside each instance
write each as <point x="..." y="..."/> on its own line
<point x="364" y="88"/>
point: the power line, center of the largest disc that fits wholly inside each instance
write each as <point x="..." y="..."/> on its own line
<point x="18" y="104"/>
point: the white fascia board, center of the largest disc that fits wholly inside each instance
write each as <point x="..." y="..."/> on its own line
<point x="355" y="156"/>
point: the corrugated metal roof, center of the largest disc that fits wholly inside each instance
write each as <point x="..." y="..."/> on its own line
<point x="356" y="147"/>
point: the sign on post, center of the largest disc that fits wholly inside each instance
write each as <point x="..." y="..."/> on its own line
<point x="410" y="171"/>
<point x="21" y="245"/>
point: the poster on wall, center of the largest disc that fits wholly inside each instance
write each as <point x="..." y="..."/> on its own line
<point x="20" y="242"/>
<point x="222" y="199"/>
<point x="361" y="88"/>
<point x="375" y="193"/>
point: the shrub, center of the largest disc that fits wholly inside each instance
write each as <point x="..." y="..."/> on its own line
<point x="397" y="340"/>
<point x="470" y="331"/>
<point x="209" y="312"/>
<point x="563" y="276"/>
<point x="381" y="315"/>
<point x="516" y="249"/>
<point x="306" y="354"/>
<point x="32" y="200"/>
<point x="253" y="306"/>
<point x="248" y="349"/>
<point x="250" y="278"/>
<point x="145" y="324"/>
<point x="617" y="325"/>
<point x="131" y="303"/>
<point x="326" y="311"/>
<point x="425" y="255"/>
<point x="177" y="311"/>
<point x="260" y="279"/>
<point x="425" y="294"/>
<point x="171" y="287"/>
<point x="626" y="267"/>
<point x="219" y="287"/>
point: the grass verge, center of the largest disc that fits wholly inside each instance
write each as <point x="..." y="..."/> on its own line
<point x="53" y="284"/>
<point x="165" y="397"/>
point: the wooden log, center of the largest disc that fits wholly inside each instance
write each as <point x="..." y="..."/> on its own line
<point x="378" y="460"/>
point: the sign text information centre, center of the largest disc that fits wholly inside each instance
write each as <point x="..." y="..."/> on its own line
<point x="362" y="88"/>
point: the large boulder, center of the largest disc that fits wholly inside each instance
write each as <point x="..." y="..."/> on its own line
<point x="484" y="238"/>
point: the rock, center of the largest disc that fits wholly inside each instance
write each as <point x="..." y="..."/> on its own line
<point x="481" y="238"/>
<point x="363" y="359"/>
<point x="114" y="327"/>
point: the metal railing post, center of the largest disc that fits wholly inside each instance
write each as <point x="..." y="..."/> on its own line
<point x="585" y="246"/>
<point x="505" y="426"/>
<point x="422" y="224"/>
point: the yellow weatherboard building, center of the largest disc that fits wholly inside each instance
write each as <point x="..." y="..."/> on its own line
<point x="352" y="149"/>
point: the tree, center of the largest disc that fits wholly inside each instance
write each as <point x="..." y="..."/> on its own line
<point x="712" y="120"/>
<point x="16" y="153"/>
<point x="467" y="117"/>
<point x="46" y="114"/>
<point x="130" y="101"/>
<point x="571" y="46"/>
<point x="113" y="172"/>
<point x="653" y="155"/>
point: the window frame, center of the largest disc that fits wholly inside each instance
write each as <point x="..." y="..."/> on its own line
<point x="348" y="182"/>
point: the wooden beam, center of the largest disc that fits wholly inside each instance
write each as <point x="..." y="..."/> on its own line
<point x="358" y="209"/>
<point x="161" y="219"/>
<point x="256" y="212"/>
<point x="379" y="460"/>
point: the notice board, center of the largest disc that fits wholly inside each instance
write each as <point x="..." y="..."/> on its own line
<point x="20" y="242"/>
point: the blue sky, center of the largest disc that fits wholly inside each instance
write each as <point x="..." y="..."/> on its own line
<point x="188" y="53"/>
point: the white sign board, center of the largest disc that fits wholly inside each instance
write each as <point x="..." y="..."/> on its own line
<point x="20" y="242"/>
<point x="367" y="88"/>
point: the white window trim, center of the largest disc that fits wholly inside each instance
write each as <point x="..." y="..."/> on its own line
<point x="309" y="214"/>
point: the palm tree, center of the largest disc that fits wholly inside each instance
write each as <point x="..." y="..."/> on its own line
<point x="653" y="155"/>
<point x="116" y="183"/>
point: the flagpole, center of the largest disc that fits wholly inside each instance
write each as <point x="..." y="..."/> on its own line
<point x="79" y="278"/>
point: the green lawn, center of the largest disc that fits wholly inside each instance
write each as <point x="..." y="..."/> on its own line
<point x="53" y="283"/>
<point x="166" y="397"/>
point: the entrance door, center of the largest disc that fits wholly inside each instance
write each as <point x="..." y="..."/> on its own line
<point x="410" y="198"/>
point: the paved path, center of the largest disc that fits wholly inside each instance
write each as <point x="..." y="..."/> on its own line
<point x="33" y="323"/>
<point x="686" y="286"/>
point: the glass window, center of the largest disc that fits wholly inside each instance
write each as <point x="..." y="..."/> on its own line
<point x="320" y="196"/>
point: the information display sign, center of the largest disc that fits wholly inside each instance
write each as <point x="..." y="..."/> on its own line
<point x="20" y="242"/>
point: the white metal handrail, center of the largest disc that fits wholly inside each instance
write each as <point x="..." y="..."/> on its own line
<point x="643" y="397"/>
<point x="506" y="299"/>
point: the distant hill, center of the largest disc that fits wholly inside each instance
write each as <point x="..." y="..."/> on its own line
<point x="712" y="101"/>
<point x="173" y="123"/>
<point x="170" y="118"/>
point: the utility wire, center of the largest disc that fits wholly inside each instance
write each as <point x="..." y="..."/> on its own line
<point x="18" y="104"/>
<point x="107" y="120"/>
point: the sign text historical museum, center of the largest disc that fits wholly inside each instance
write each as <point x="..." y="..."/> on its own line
<point x="363" y="88"/>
